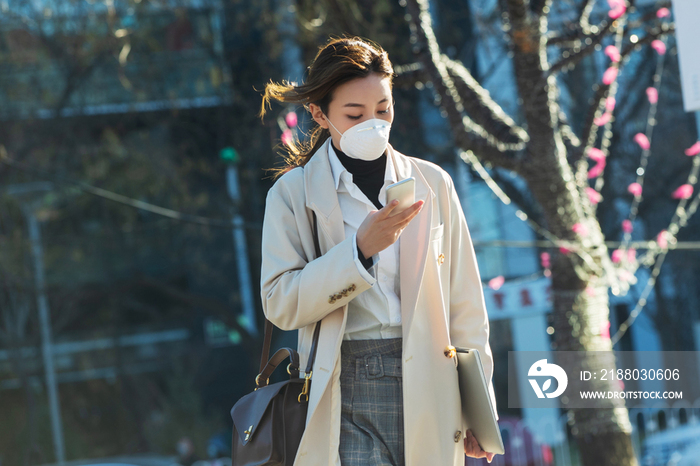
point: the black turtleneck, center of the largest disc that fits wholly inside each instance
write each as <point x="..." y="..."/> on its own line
<point x="368" y="175"/>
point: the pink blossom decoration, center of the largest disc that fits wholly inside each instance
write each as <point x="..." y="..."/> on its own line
<point x="652" y="95"/>
<point x="286" y="137"/>
<point x="620" y="384"/>
<point x="610" y="104"/>
<point x="602" y="120"/>
<point x="684" y="191"/>
<point x="626" y="275"/>
<point x="497" y="282"/>
<point x="580" y="228"/>
<point x="617" y="255"/>
<point x="662" y="12"/>
<point x="597" y="170"/>
<point x="616" y="12"/>
<point x="617" y="8"/>
<point x="544" y="259"/>
<point x="590" y="291"/>
<point x="610" y="75"/>
<point x="627" y="226"/>
<point x="564" y="250"/>
<point x="659" y="46"/>
<point x="605" y="330"/>
<point x="662" y="240"/>
<point x="291" y="119"/>
<point x="642" y="140"/>
<point x="693" y="150"/>
<point x="635" y="189"/>
<point x="631" y="255"/>
<point x="613" y="53"/>
<point x="596" y="154"/>
<point x="593" y="195"/>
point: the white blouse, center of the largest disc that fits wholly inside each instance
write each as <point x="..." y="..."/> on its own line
<point x="375" y="313"/>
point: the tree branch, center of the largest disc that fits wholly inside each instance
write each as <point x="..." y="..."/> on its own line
<point x="539" y="6"/>
<point x="479" y="104"/>
<point x="469" y="135"/>
<point x="406" y="76"/>
<point x="583" y="32"/>
<point x="577" y="56"/>
<point x="585" y="15"/>
<point x="590" y="129"/>
<point x="574" y="39"/>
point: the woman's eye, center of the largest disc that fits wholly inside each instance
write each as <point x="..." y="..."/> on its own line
<point x="383" y="112"/>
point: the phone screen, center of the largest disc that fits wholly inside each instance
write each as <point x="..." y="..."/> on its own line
<point x="404" y="191"/>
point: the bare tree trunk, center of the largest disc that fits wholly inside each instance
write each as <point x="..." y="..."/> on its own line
<point x="602" y="433"/>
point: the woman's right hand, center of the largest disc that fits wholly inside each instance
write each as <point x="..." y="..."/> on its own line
<point x="378" y="231"/>
<point x="473" y="449"/>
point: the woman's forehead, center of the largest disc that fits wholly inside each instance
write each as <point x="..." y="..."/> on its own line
<point x="370" y="90"/>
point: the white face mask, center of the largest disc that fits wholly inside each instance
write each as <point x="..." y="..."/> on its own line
<point x="366" y="140"/>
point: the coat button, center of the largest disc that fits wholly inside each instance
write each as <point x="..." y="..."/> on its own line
<point x="458" y="436"/>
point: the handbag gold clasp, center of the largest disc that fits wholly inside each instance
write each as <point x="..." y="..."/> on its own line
<point x="305" y="389"/>
<point x="257" y="381"/>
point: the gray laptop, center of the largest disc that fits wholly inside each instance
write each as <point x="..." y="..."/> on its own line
<point x="476" y="403"/>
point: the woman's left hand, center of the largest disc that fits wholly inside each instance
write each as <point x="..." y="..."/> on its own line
<point x="472" y="448"/>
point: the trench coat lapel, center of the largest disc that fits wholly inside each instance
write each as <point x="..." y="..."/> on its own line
<point x="414" y="240"/>
<point x="322" y="197"/>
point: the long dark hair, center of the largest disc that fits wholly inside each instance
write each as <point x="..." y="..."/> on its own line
<point x="337" y="62"/>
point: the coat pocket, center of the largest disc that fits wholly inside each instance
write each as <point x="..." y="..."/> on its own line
<point x="437" y="232"/>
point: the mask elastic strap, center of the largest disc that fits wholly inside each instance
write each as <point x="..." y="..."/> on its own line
<point x="329" y="121"/>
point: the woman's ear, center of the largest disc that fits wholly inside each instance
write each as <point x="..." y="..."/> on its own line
<point x="317" y="115"/>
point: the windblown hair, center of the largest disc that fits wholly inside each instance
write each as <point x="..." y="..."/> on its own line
<point x="339" y="61"/>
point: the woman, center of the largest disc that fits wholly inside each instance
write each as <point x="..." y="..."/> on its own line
<point x="392" y="290"/>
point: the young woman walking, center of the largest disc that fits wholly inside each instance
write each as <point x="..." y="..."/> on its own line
<point x="392" y="290"/>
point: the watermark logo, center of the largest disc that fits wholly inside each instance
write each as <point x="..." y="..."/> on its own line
<point x="541" y="369"/>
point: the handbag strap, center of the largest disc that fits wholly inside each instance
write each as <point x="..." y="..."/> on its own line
<point x="279" y="356"/>
<point x="268" y="325"/>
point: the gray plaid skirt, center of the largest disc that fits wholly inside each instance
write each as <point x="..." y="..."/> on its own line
<point x="371" y="420"/>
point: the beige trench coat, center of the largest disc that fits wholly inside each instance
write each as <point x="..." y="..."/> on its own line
<point x="442" y="303"/>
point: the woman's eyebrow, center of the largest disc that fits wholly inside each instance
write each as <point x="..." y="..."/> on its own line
<point x="351" y="104"/>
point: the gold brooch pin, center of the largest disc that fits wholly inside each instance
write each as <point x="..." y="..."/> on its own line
<point x="441" y="259"/>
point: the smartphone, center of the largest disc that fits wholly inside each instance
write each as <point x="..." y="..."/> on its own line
<point x="404" y="191"/>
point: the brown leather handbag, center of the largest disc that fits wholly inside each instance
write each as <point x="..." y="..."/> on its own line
<point x="269" y="422"/>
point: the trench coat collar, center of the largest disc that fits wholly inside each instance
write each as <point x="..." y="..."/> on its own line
<point x="321" y="196"/>
<point x="319" y="181"/>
